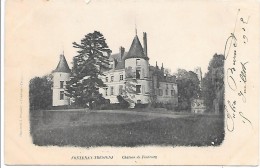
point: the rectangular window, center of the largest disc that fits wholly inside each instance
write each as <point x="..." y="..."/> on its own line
<point x="166" y="91"/>
<point x="160" y="92"/>
<point x="112" y="78"/>
<point x="138" y="88"/>
<point x="172" y="92"/>
<point x="166" y="86"/>
<point x="112" y="90"/>
<point x="120" y="89"/>
<point x="121" y="77"/>
<point x="106" y="89"/>
<point x="138" y="74"/>
<point x="138" y="63"/>
<point x="106" y="79"/>
<point x="61" y="84"/>
<point x="61" y="95"/>
<point x="172" y="86"/>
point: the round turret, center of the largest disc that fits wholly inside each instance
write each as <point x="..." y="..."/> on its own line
<point x="137" y="70"/>
<point x="60" y="77"/>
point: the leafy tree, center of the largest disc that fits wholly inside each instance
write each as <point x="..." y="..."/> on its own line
<point x="130" y="86"/>
<point x="213" y="84"/>
<point x="40" y="92"/>
<point x="88" y="65"/>
<point x="167" y="71"/>
<point x="188" y="88"/>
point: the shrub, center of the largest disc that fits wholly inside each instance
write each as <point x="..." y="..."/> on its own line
<point x="40" y="93"/>
<point x="122" y="102"/>
<point x="138" y="105"/>
<point x="183" y="106"/>
<point x="64" y="107"/>
<point x="168" y="106"/>
<point x="114" y="106"/>
<point x="157" y="105"/>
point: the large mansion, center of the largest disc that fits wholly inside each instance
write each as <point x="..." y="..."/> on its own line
<point x="130" y="75"/>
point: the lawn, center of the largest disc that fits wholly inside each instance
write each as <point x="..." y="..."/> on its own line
<point x="119" y="129"/>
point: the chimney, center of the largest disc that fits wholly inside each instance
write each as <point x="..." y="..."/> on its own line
<point x="121" y="52"/>
<point x="156" y="65"/>
<point x="145" y="43"/>
<point x="162" y="68"/>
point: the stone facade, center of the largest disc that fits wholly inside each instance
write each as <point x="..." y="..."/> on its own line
<point x="130" y="75"/>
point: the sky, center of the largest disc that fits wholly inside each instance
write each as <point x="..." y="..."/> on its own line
<point x="181" y="34"/>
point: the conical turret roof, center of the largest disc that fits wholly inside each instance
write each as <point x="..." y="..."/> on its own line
<point x="136" y="50"/>
<point x="63" y="65"/>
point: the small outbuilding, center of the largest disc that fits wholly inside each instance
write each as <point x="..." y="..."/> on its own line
<point x="198" y="106"/>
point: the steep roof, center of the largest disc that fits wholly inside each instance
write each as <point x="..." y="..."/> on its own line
<point x="117" y="56"/>
<point x="63" y="65"/>
<point x="120" y="62"/>
<point x="136" y="50"/>
<point x="120" y="65"/>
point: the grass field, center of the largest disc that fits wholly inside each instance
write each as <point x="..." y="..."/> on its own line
<point x="124" y="129"/>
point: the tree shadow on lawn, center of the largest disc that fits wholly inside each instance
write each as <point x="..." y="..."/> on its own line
<point x="190" y="131"/>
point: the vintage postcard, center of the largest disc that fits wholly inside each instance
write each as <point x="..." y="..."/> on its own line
<point x="95" y="82"/>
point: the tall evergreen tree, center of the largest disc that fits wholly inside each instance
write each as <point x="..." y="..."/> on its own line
<point x="87" y="68"/>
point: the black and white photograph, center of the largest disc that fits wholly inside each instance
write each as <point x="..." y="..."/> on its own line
<point x="120" y="99"/>
<point x="133" y="75"/>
